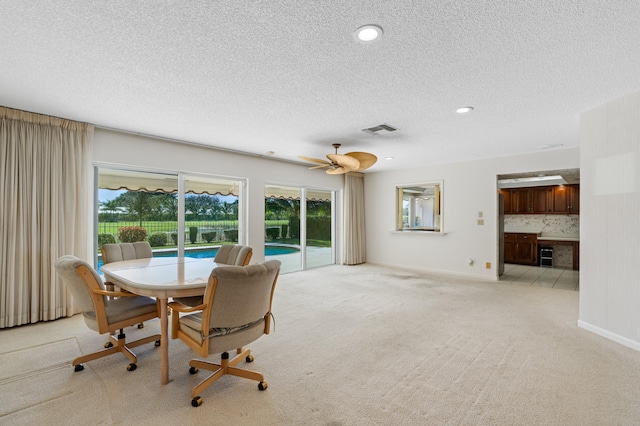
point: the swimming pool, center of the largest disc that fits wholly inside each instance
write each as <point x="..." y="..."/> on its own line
<point x="210" y="252"/>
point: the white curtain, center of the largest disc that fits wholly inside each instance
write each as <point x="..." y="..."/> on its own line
<point x="354" y="227"/>
<point x="46" y="192"/>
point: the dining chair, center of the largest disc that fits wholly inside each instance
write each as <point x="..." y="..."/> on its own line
<point x="104" y="314"/>
<point x="236" y="310"/>
<point x="124" y="251"/>
<point x="229" y="254"/>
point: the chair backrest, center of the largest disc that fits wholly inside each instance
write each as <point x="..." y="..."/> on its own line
<point x="126" y="251"/>
<point x="240" y="295"/>
<point x="81" y="279"/>
<point x="233" y="254"/>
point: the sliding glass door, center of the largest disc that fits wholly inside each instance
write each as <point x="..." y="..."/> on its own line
<point x="178" y="214"/>
<point x="299" y="227"/>
<point x="319" y="228"/>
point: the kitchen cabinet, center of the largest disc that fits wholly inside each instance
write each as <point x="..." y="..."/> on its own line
<point x="521" y="248"/>
<point x="566" y="199"/>
<point x="562" y="199"/>
<point x="540" y="199"/>
<point x="536" y="200"/>
<point x="507" y="197"/>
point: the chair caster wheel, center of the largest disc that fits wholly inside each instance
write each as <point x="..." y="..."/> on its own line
<point x="108" y="345"/>
<point x="196" y="402"/>
<point x="193" y="370"/>
<point x="262" y="386"/>
<point x="249" y="358"/>
<point x="131" y="367"/>
<point x="141" y="325"/>
<point x="78" y="367"/>
<point x="157" y="342"/>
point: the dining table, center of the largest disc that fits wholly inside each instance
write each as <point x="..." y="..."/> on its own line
<point x="161" y="278"/>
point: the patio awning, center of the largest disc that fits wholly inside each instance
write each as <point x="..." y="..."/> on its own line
<point x="116" y="179"/>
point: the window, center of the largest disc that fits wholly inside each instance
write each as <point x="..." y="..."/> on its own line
<point x="419" y="207"/>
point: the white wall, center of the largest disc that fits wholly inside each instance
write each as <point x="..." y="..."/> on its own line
<point x="146" y="153"/>
<point x="610" y="220"/>
<point x="469" y="188"/>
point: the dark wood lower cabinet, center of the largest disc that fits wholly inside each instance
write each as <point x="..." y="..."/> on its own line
<point x="521" y="248"/>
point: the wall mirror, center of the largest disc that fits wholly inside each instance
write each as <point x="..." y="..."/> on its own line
<point x="419" y="207"/>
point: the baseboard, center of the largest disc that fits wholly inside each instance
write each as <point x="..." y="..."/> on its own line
<point x="609" y="335"/>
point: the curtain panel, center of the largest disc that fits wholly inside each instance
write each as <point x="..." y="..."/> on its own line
<point x="46" y="192"/>
<point x="354" y="226"/>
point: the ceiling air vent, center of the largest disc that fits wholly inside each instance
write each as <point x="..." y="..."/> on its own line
<point x="381" y="129"/>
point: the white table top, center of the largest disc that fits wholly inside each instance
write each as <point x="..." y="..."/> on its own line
<point x="166" y="275"/>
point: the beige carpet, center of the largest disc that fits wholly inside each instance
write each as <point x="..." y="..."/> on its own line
<point x="353" y="345"/>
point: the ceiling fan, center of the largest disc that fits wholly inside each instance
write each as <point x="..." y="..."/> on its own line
<point x="343" y="163"/>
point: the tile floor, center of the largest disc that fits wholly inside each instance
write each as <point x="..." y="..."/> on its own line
<point x="556" y="277"/>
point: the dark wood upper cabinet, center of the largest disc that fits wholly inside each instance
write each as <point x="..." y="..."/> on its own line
<point x="563" y="199"/>
<point x="566" y="199"/>
<point x="541" y="199"/>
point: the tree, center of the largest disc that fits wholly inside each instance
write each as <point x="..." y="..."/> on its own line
<point x="112" y="207"/>
<point x="138" y="203"/>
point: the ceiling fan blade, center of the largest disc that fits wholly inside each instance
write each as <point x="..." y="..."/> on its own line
<point x="345" y="161"/>
<point x="337" y="171"/>
<point x="322" y="166"/>
<point x="314" y="160"/>
<point x="366" y="159"/>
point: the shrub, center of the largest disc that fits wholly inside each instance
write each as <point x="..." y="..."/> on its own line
<point x="285" y="229"/>
<point x="273" y="233"/>
<point x="105" y="239"/>
<point x="131" y="234"/>
<point x="193" y="234"/>
<point x="209" y="236"/>
<point x="294" y="227"/>
<point x="158" y="239"/>
<point x="231" y="235"/>
<point x="174" y="238"/>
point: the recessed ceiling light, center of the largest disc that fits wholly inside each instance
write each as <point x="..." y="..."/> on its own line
<point x="368" y="33"/>
<point x="464" y="109"/>
<point x="388" y="158"/>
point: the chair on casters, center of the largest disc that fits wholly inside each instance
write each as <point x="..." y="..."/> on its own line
<point x="230" y="254"/>
<point x="236" y="310"/>
<point x="103" y="314"/>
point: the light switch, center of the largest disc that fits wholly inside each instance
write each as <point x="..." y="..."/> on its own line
<point x="480" y="221"/>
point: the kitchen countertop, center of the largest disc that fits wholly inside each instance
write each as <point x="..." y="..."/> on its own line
<point x="562" y="237"/>
<point x="543" y="236"/>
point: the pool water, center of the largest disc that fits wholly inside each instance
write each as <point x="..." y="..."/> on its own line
<point x="210" y="252"/>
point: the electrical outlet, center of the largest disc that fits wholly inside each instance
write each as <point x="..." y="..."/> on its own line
<point x="488" y="265"/>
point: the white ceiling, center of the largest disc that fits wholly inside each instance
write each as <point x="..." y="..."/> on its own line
<point x="287" y="76"/>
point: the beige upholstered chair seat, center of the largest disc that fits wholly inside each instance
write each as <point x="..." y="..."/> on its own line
<point x="121" y="309"/>
<point x="192" y="325"/>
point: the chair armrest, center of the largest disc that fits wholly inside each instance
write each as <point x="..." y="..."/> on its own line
<point x="179" y="307"/>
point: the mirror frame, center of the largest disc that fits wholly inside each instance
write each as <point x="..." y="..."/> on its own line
<point x="438" y="191"/>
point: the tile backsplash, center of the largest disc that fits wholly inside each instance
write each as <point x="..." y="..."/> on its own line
<point x="568" y="225"/>
<point x="549" y="223"/>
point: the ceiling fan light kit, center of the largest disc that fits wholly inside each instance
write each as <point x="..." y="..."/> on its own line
<point x="343" y="163"/>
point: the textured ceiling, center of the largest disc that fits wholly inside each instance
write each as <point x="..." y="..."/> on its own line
<point x="287" y="76"/>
